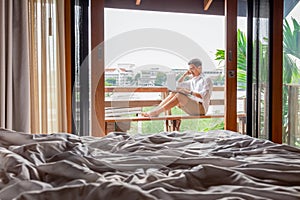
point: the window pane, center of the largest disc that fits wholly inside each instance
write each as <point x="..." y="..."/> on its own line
<point x="291" y="73"/>
<point x="261" y="68"/>
<point x="150" y="49"/>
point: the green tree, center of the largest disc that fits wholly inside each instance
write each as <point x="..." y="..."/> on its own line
<point x="241" y="59"/>
<point x="111" y="81"/>
<point x="291" y="52"/>
<point x="107" y="84"/>
<point x="129" y="80"/>
<point x="137" y="77"/>
<point x="160" y="79"/>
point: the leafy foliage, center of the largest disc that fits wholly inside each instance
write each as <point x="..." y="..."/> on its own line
<point x="291" y="53"/>
<point x="111" y="81"/>
<point x="291" y="74"/>
<point x="241" y="59"/>
<point x="160" y="79"/>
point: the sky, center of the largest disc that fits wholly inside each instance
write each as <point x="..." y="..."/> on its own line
<point x="203" y="33"/>
<point x="205" y="30"/>
<point x="295" y="13"/>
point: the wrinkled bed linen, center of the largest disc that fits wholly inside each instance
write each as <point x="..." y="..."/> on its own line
<point x="187" y="165"/>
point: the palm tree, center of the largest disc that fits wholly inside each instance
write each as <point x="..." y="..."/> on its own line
<point x="291" y="74"/>
<point x="291" y="52"/>
<point x="241" y="59"/>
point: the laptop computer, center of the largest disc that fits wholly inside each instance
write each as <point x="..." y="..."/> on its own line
<point x="171" y="81"/>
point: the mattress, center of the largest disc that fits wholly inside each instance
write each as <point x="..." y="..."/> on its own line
<point x="175" y="165"/>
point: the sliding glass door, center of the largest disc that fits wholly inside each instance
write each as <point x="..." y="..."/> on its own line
<point x="264" y="69"/>
<point x="260" y="68"/>
<point x="80" y="51"/>
<point x="253" y="63"/>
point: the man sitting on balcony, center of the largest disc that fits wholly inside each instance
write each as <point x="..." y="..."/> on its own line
<point x="191" y="96"/>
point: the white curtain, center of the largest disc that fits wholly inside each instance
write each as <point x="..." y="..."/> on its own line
<point x="14" y="65"/>
<point x="47" y="66"/>
<point x="32" y="66"/>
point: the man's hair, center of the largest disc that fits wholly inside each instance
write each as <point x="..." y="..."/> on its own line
<point x="197" y="62"/>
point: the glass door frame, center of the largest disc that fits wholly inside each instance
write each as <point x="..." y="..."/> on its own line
<point x="275" y="71"/>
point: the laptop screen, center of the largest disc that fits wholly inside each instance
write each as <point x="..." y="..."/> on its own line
<point x="171" y="81"/>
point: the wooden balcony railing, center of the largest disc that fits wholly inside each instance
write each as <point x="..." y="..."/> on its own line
<point x="115" y="108"/>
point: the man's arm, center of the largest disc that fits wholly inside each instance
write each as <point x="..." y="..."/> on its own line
<point x="196" y="94"/>
<point x="207" y="88"/>
<point x="181" y="79"/>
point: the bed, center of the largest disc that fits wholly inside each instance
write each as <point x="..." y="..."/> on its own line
<point x="174" y="165"/>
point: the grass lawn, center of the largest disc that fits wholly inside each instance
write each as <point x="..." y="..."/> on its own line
<point x="156" y="126"/>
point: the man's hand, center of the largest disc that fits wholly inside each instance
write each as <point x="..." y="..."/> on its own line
<point x="188" y="72"/>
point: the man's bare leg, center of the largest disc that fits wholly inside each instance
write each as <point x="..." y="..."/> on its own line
<point x="162" y="103"/>
<point x="168" y="105"/>
<point x="167" y="99"/>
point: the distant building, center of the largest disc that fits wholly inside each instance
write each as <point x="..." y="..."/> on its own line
<point x="147" y="78"/>
<point x="150" y="75"/>
<point x="121" y="75"/>
<point x="212" y="74"/>
<point x="127" y="74"/>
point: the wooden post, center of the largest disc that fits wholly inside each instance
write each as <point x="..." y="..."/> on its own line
<point x="293" y="116"/>
<point x="207" y="4"/>
<point x="138" y="2"/>
<point x="276" y="71"/>
<point x="68" y="58"/>
<point x="231" y="65"/>
<point x="97" y="68"/>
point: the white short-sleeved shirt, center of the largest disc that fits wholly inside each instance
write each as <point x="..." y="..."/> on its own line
<point x="202" y="85"/>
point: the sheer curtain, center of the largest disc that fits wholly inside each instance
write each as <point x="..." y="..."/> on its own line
<point x="47" y="66"/>
<point x="14" y="66"/>
<point x="32" y="66"/>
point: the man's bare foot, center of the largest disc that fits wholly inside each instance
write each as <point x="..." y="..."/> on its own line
<point x="145" y="114"/>
<point x="150" y="114"/>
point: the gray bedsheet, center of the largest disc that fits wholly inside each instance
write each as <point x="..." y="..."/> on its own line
<point x="212" y="165"/>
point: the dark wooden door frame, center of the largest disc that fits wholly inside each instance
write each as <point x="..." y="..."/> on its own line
<point x="276" y="72"/>
<point x="97" y="68"/>
<point x="231" y="9"/>
<point x="97" y="29"/>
